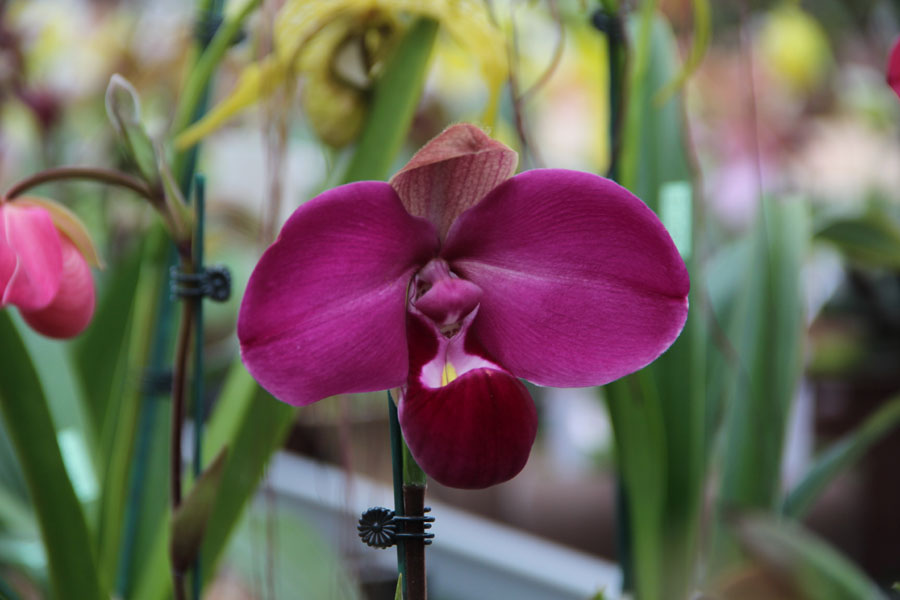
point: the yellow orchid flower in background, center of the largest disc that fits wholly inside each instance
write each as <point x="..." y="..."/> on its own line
<point x="795" y="47"/>
<point x="340" y="47"/>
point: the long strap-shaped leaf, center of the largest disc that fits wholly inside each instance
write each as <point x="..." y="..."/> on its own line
<point x="73" y="570"/>
<point x="840" y="456"/>
<point x="812" y="567"/>
<point x="766" y="331"/>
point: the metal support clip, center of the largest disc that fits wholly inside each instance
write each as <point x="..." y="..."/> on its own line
<point x="379" y="527"/>
<point x="210" y="282"/>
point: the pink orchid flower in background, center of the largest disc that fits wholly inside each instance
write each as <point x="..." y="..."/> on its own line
<point x="43" y="269"/>
<point x="893" y="70"/>
<point x="451" y="282"/>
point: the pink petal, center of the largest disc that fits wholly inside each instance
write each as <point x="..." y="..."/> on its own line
<point x="451" y="173"/>
<point x="71" y="310"/>
<point x="30" y="257"/>
<point x="581" y="282"/>
<point x="893" y="70"/>
<point x="324" y="312"/>
<point x="473" y="432"/>
<point x="68" y="224"/>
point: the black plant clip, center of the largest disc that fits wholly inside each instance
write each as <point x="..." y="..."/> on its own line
<point x="156" y="382"/>
<point x="379" y="527"/>
<point x="210" y="282"/>
<point x="609" y="24"/>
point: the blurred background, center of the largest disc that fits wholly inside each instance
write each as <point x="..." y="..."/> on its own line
<point x="789" y="103"/>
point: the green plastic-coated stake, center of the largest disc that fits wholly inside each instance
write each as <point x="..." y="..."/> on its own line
<point x="197" y="380"/>
<point x="397" y="469"/>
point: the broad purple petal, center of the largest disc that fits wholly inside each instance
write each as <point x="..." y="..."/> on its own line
<point x="473" y="432"/>
<point x="71" y="310"/>
<point x="451" y="173"/>
<point x="893" y="70"/>
<point x="30" y="257"/>
<point x="324" y="311"/>
<point x="581" y="282"/>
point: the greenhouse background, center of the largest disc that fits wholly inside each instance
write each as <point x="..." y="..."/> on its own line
<point x="170" y="142"/>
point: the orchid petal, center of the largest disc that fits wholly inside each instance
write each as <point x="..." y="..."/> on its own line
<point x="71" y="310"/>
<point x="893" y="70"/>
<point x="257" y="81"/>
<point x="30" y="257"/>
<point x="67" y="223"/>
<point x="324" y="311"/>
<point x="474" y="431"/>
<point x="581" y="283"/>
<point x="451" y="173"/>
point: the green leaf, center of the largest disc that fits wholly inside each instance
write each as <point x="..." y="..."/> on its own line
<point x="304" y="564"/>
<point x="397" y="94"/>
<point x="73" y="571"/>
<point x="121" y="422"/>
<point x="68" y="408"/>
<point x="702" y="34"/>
<point x="840" y="456"/>
<point x="814" y="568"/>
<point x="16" y="516"/>
<point x="101" y="351"/>
<point x="262" y="424"/>
<point x="147" y="500"/>
<point x="398" y="593"/>
<point x="766" y="332"/>
<point x="637" y="421"/>
<point x="188" y="523"/>
<point x="873" y="239"/>
<point x="253" y="425"/>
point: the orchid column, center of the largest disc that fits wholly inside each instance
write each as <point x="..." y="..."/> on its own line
<point x="453" y="281"/>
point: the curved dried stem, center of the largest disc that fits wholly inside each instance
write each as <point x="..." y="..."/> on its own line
<point x="107" y="176"/>
<point x="555" y="59"/>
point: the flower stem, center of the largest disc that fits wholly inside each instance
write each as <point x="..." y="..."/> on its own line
<point x="414" y="505"/>
<point x="409" y="500"/>
<point x="179" y="372"/>
<point x="412" y="472"/>
<point x="397" y="447"/>
<point x="179" y="375"/>
<point x="108" y="176"/>
<point x="414" y="483"/>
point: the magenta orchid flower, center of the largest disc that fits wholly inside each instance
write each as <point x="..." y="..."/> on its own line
<point x="453" y="281"/>
<point x="43" y="269"/>
<point x="893" y="70"/>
